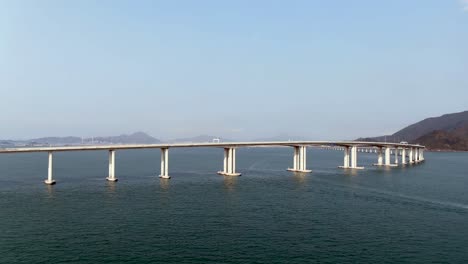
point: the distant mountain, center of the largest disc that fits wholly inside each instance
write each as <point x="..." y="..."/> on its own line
<point x="446" y="122"/>
<point x="281" y="137"/>
<point x="199" y="139"/>
<point x="447" y="132"/>
<point x="55" y="140"/>
<point x="6" y="143"/>
<point x="135" y="138"/>
<point x="456" y="139"/>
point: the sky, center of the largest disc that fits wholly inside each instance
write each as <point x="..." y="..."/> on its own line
<point x="243" y="69"/>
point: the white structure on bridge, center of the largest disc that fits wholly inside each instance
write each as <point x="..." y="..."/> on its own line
<point x="350" y="148"/>
<point x="111" y="176"/>
<point x="50" y="180"/>
<point x="229" y="164"/>
<point x="299" y="159"/>
<point x="350" y="158"/>
<point x="164" y="164"/>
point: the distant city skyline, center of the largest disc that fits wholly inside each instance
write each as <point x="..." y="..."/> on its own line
<point x="242" y="69"/>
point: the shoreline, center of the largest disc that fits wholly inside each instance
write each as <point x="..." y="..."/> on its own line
<point x="444" y="150"/>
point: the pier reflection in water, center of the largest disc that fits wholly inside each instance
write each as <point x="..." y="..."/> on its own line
<point x="267" y="215"/>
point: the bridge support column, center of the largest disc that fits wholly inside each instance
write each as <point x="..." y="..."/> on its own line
<point x="416" y="155"/>
<point x="403" y="156"/>
<point x="410" y="156"/>
<point x="350" y="158"/>
<point x="229" y="168"/>
<point x="397" y="152"/>
<point x="379" y="157"/>
<point x="50" y="180"/>
<point x="111" y="176"/>
<point x="354" y="151"/>
<point x="164" y="164"/>
<point x="421" y="154"/>
<point x="346" y="158"/>
<point x="388" y="154"/>
<point x="299" y="159"/>
<point x="354" y="158"/>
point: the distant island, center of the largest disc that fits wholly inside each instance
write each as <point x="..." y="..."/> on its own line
<point x="134" y="138"/>
<point x="448" y="132"/>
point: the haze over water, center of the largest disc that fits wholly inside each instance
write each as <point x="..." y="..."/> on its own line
<point x="414" y="214"/>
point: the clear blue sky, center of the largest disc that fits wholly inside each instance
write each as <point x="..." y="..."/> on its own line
<point x="237" y="69"/>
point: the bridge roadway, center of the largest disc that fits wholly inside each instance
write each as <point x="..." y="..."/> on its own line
<point x="414" y="154"/>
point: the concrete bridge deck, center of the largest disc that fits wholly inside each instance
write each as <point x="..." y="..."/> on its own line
<point x="350" y="148"/>
<point x="220" y="145"/>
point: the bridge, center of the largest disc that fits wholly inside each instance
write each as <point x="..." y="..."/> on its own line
<point x="409" y="153"/>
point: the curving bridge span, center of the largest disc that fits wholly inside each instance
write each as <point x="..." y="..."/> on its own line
<point x="409" y="153"/>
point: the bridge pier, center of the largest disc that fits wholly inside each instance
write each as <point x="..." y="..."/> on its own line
<point x="410" y="156"/>
<point x="346" y="158"/>
<point x="111" y="176"/>
<point x="388" y="154"/>
<point x="164" y="164"/>
<point x="421" y="154"/>
<point x="354" y="156"/>
<point x="350" y="158"/>
<point x="403" y="156"/>
<point x="418" y="153"/>
<point x="417" y="157"/>
<point x="50" y="180"/>
<point x="397" y="152"/>
<point x="229" y="168"/>
<point x="379" y="157"/>
<point x="299" y="159"/>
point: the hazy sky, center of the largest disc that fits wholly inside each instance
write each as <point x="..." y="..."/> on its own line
<point x="237" y="69"/>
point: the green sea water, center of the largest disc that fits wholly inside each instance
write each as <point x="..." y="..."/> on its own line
<point x="412" y="214"/>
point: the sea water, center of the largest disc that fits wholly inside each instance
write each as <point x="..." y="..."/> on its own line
<point x="410" y="214"/>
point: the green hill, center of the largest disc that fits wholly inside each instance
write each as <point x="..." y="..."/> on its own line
<point x="446" y="132"/>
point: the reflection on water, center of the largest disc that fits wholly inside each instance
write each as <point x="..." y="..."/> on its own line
<point x="385" y="168"/>
<point x="50" y="191"/>
<point x="255" y="218"/>
<point x="111" y="186"/>
<point x="300" y="178"/>
<point x="403" y="167"/>
<point x="164" y="183"/>
<point x="351" y="172"/>
<point x="230" y="182"/>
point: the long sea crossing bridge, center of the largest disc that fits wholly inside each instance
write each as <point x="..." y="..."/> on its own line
<point x="409" y="153"/>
